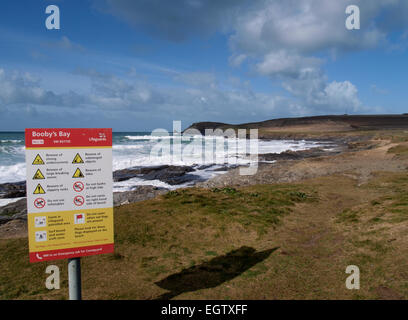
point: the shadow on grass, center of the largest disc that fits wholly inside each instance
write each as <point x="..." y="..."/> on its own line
<point x="212" y="273"/>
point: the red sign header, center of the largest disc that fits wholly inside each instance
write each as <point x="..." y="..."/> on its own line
<point x="60" y="138"/>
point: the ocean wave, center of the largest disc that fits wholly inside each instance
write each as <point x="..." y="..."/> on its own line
<point x="4" y="202"/>
<point x="234" y="153"/>
<point x="12" y="150"/>
<point x="147" y="137"/>
<point x="131" y="183"/>
<point x="138" y="154"/>
<point x="13" y="173"/>
<point x="184" y="137"/>
<point x="127" y="147"/>
<point x="11" y="141"/>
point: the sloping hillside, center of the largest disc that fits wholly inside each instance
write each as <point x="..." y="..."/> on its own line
<point x="310" y="126"/>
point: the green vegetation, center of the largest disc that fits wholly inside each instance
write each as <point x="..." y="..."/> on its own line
<point x="311" y="230"/>
<point x="259" y="207"/>
<point x="348" y="216"/>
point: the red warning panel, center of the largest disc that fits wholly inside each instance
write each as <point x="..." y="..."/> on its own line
<point x="70" y="253"/>
<point x="57" y="138"/>
<point x="69" y="193"/>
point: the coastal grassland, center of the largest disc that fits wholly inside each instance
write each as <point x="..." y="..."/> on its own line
<point x="392" y="135"/>
<point x="154" y="237"/>
<point x="400" y="151"/>
<point x="312" y="231"/>
<point x="377" y="235"/>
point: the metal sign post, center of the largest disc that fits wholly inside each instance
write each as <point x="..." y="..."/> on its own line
<point x="74" y="279"/>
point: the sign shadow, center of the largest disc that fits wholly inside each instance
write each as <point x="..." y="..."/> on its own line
<point x="212" y="273"/>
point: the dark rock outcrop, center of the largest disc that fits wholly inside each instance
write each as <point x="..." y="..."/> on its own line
<point x="294" y="155"/>
<point x="13" y="211"/>
<point x="12" y="190"/>
<point x="172" y="175"/>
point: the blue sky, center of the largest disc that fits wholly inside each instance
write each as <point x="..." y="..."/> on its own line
<point x="137" y="65"/>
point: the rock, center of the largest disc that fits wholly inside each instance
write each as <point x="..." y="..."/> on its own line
<point x="4" y="219"/>
<point x="225" y="168"/>
<point x="22" y="215"/>
<point x="13" y="190"/>
<point x="14" y="194"/>
<point x="170" y="174"/>
<point x="140" y="193"/>
<point x="293" y="155"/>
<point x="166" y="173"/>
<point x="126" y="174"/>
<point x="184" y="179"/>
<point x="203" y="166"/>
<point x="11" y="209"/>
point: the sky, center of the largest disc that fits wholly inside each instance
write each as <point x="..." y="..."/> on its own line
<point x="138" y="65"/>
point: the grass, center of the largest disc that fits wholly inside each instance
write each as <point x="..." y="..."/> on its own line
<point x="315" y="229"/>
<point x="260" y="207"/>
<point x="159" y="236"/>
<point x="348" y="216"/>
<point x="399" y="149"/>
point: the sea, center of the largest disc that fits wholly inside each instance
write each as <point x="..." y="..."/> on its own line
<point x="142" y="149"/>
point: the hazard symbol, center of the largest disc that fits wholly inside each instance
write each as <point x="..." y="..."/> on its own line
<point x="78" y="186"/>
<point x="79" y="201"/>
<point x="39" y="190"/>
<point x="78" y="174"/>
<point x="38" y="160"/>
<point x="77" y="159"/>
<point x="38" y="175"/>
<point x="39" y="203"/>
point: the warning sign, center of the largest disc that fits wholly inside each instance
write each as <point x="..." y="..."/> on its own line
<point x="78" y="186"/>
<point x="78" y="174"/>
<point x="38" y="160"/>
<point x="79" y="201"/>
<point x="39" y="203"/>
<point x="38" y="175"/>
<point x="77" y="159"/>
<point x="39" y="190"/>
<point x="70" y="212"/>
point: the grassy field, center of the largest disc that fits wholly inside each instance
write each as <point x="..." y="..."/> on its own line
<point x="281" y="241"/>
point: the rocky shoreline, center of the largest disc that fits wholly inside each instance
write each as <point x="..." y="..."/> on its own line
<point x="172" y="175"/>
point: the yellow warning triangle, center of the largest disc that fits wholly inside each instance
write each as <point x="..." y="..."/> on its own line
<point x="78" y="174"/>
<point x="39" y="190"/>
<point x="77" y="159"/>
<point x="38" y="160"/>
<point x="38" y="175"/>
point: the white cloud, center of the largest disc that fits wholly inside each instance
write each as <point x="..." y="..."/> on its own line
<point x="65" y="44"/>
<point x="20" y="88"/>
<point x="205" y="79"/>
<point x="284" y="37"/>
<point x="379" y="90"/>
<point x="113" y="96"/>
<point x="237" y="60"/>
<point x="132" y="101"/>
<point x="283" y="40"/>
<point x="308" y="26"/>
<point x="175" y="20"/>
<point x="282" y="62"/>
